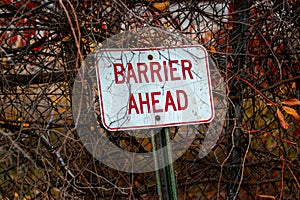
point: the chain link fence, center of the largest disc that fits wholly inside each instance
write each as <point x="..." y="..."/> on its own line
<point x="255" y="46"/>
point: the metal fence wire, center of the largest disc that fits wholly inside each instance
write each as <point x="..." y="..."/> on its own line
<point x="255" y="46"/>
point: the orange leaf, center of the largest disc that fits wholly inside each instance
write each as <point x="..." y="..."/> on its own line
<point x="161" y="6"/>
<point x="211" y="48"/>
<point x="291" y="102"/>
<point x="283" y="123"/>
<point x="292" y="112"/>
<point x="266" y="196"/>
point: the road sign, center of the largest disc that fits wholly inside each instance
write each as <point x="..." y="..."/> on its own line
<point x="154" y="87"/>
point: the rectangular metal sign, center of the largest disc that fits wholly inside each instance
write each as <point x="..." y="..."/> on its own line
<point x="155" y="87"/>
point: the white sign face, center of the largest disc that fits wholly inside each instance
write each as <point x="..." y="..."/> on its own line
<point x="155" y="87"/>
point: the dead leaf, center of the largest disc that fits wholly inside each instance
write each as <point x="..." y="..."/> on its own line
<point x="266" y="196"/>
<point x="212" y="49"/>
<point x="291" y="102"/>
<point x="291" y="111"/>
<point x="283" y="123"/>
<point x="161" y="6"/>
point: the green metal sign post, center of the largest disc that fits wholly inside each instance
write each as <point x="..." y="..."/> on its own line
<point x="165" y="177"/>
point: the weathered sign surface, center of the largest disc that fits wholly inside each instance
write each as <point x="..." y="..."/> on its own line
<point x="155" y="87"/>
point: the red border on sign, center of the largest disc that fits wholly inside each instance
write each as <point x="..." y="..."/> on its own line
<point x="154" y="125"/>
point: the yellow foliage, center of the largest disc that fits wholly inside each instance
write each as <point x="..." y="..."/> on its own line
<point x="162" y="7"/>
<point x="66" y="38"/>
<point x="257" y="110"/>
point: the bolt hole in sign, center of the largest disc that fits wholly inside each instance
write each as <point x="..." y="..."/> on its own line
<point x="154" y="87"/>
